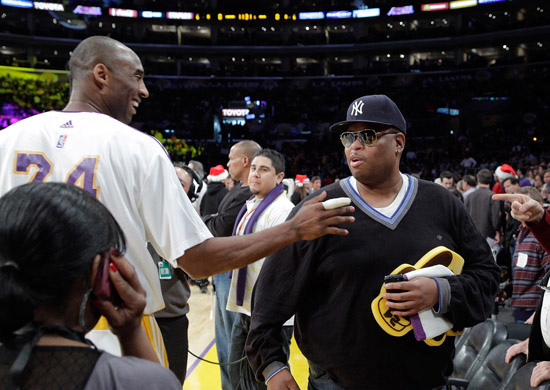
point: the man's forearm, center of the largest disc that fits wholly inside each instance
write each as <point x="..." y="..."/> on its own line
<point x="220" y="254"/>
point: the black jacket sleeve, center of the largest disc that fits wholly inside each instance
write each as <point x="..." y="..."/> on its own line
<point x="221" y="224"/>
<point x="473" y="292"/>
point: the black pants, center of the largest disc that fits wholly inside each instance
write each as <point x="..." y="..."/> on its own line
<point x="174" y="334"/>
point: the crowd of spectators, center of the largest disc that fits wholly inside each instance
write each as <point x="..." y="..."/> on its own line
<point x="501" y="114"/>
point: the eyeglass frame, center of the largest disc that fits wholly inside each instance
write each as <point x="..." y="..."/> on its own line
<point x="359" y="134"/>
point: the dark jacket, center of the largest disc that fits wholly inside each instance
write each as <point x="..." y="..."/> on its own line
<point x="215" y="192"/>
<point x="221" y="224"/>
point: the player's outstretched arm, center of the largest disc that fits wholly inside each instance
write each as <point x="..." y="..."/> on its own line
<point x="221" y="254"/>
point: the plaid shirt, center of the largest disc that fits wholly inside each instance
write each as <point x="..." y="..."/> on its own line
<point x="526" y="294"/>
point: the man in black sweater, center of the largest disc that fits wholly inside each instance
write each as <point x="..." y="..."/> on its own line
<point x="330" y="282"/>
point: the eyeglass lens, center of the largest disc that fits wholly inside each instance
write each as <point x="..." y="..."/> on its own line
<point x="367" y="137"/>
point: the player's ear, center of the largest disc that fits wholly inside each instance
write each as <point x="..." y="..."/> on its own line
<point x="100" y="75"/>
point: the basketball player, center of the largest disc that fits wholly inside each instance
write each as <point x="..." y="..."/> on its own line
<point x="90" y="144"/>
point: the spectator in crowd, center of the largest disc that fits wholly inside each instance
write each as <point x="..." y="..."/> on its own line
<point x="315" y="183"/>
<point x="485" y="211"/>
<point x="469" y="186"/>
<point x="446" y="179"/>
<point x="510" y="185"/>
<point x="453" y="190"/>
<point x="546" y="179"/>
<point x="174" y="284"/>
<point x="538" y="182"/>
<point x="502" y="173"/>
<point x="215" y="191"/>
<point x="300" y="189"/>
<point x="269" y="207"/>
<point x="55" y="239"/>
<point x="198" y="168"/>
<point x="221" y="225"/>
<point x="536" y="347"/>
<point x="530" y="263"/>
<point x="336" y="279"/>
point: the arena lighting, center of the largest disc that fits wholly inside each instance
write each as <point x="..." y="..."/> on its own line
<point x="85" y="10"/>
<point x="404" y="10"/>
<point x="339" y="14"/>
<point x="151" y="14"/>
<point x="235" y="112"/>
<point x="180" y="15"/>
<point x="17" y="3"/>
<point x="44" y="6"/>
<point x="434" y="7"/>
<point x="490" y="1"/>
<point x="366" y="13"/>
<point x="311" y="15"/>
<point x="448" y="111"/>
<point x="462" y="4"/>
<point x="124" y="13"/>
<point x="490" y="98"/>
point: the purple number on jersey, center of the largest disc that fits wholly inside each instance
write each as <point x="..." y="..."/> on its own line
<point x="83" y="175"/>
<point x="24" y="161"/>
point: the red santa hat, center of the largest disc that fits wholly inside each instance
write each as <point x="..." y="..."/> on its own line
<point x="301" y="180"/>
<point x="505" y="171"/>
<point x="217" y="173"/>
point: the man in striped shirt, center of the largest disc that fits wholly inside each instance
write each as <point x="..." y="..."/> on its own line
<point x="530" y="264"/>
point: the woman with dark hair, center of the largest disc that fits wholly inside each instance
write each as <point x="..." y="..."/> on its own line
<point x="52" y="238"/>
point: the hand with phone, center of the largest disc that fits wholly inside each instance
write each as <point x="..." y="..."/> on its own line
<point x="103" y="287"/>
<point x="414" y="295"/>
<point x="124" y="314"/>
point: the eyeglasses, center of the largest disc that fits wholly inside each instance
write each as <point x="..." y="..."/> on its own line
<point x="543" y="285"/>
<point x="367" y="137"/>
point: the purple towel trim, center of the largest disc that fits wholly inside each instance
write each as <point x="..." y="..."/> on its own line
<point x="419" y="333"/>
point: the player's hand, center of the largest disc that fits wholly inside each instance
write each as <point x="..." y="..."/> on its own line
<point x="517" y="349"/>
<point x="540" y="373"/>
<point x="524" y="209"/>
<point x="282" y="380"/>
<point x="421" y="293"/>
<point x="313" y="221"/>
<point x="529" y="321"/>
<point x="125" y="318"/>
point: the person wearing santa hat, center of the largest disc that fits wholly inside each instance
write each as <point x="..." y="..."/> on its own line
<point x="301" y="190"/>
<point x="502" y="173"/>
<point x="215" y="190"/>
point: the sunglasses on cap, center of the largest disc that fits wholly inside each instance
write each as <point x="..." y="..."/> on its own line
<point x="367" y="137"/>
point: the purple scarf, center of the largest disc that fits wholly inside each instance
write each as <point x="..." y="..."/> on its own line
<point x="274" y="194"/>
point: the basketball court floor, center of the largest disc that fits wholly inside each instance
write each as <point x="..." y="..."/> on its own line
<point x="205" y="376"/>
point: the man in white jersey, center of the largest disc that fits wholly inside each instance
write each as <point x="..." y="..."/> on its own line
<point x="90" y="145"/>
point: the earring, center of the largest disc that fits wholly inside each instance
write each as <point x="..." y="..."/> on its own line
<point x="81" y="319"/>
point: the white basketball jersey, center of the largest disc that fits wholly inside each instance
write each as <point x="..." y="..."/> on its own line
<point x="128" y="171"/>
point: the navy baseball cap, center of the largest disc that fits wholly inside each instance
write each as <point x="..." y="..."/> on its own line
<point x="372" y="109"/>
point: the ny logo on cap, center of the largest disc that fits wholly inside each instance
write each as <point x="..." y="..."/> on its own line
<point x="357" y="108"/>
